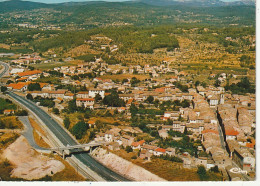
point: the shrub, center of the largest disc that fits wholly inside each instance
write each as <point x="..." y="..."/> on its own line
<point x="128" y="149"/>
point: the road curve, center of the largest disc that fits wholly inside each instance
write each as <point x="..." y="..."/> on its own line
<point x="6" y="68"/>
<point x="65" y="138"/>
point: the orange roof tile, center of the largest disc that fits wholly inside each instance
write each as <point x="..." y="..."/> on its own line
<point x="28" y="73"/>
<point x="231" y="133"/>
<point x="18" y="85"/>
<point x="160" y="150"/>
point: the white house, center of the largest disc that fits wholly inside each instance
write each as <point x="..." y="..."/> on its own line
<point x="93" y="92"/>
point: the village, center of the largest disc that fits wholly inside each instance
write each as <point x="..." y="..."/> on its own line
<point x="171" y="118"/>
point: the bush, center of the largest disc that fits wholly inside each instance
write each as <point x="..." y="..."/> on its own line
<point x="29" y="96"/>
<point x="202" y="172"/>
<point x="66" y="122"/>
<point x="56" y="111"/>
<point x="128" y="149"/>
<point x="214" y="169"/>
<point x="21" y="113"/>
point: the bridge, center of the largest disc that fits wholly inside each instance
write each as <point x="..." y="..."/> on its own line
<point x="69" y="149"/>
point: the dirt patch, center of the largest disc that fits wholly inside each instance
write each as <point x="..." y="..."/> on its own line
<point x="28" y="163"/>
<point x="124" y="167"/>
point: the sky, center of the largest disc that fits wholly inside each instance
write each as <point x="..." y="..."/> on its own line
<point x="60" y="1"/>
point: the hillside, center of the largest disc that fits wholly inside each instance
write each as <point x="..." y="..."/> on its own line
<point x="94" y="14"/>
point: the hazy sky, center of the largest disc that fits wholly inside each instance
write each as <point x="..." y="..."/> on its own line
<point x="59" y="1"/>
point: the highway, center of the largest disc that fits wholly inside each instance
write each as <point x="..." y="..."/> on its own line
<point x="66" y="139"/>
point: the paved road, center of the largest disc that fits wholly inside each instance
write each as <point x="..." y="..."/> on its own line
<point x="65" y="138"/>
<point x="28" y="133"/>
<point x="6" y="68"/>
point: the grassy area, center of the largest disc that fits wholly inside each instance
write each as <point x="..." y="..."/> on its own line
<point x="48" y="66"/>
<point x="6" y="104"/>
<point x="38" y="139"/>
<point x="6" y="139"/>
<point x="168" y="170"/>
<point x="52" y="80"/>
<point x="11" y="122"/>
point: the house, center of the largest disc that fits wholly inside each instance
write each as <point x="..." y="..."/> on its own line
<point x="100" y="137"/>
<point x="201" y="90"/>
<point x="82" y="95"/>
<point x="127" y="140"/>
<point x="244" y="159"/>
<point x="231" y="134"/>
<point x="178" y="126"/>
<point x="109" y="136"/>
<point x="8" y="111"/>
<point x="85" y="102"/>
<point x="68" y="96"/>
<point x="57" y="93"/>
<point x="19" y="87"/>
<point x="159" y="151"/>
<point x="92" y="123"/>
<point x="170" y="151"/>
<point x="29" y="73"/>
<point x="149" y="148"/>
<point x="145" y="154"/>
<point x="213" y="101"/>
<point x="114" y="146"/>
<point x="94" y="91"/>
<point x="201" y="161"/>
<point x="137" y="145"/>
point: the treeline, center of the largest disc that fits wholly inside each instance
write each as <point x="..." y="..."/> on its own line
<point x="129" y="38"/>
<point x="242" y="87"/>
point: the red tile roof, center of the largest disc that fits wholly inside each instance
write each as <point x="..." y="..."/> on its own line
<point x="160" y="150"/>
<point x="136" y="144"/>
<point x="231" y="133"/>
<point x="18" y="85"/>
<point x="28" y="73"/>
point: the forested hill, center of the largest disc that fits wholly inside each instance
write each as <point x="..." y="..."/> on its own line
<point x="94" y="14"/>
<point x="17" y="5"/>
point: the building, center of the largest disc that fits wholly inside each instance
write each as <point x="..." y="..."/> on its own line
<point x="85" y="102"/>
<point x="244" y="159"/>
<point x="93" y="92"/>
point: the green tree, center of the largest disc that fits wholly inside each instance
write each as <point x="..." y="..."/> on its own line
<point x="150" y="99"/>
<point x="29" y="96"/>
<point x="34" y="87"/>
<point x="79" y="130"/>
<point x="98" y="97"/>
<point x="134" y="81"/>
<point x="128" y="149"/>
<point x="3" y="89"/>
<point x="217" y="83"/>
<point x="113" y="100"/>
<point x="202" y="172"/>
<point x="66" y="122"/>
<point x="56" y="111"/>
<point x="133" y="110"/>
<point x="72" y="106"/>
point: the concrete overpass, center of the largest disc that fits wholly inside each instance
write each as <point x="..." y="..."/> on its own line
<point x="70" y="149"/>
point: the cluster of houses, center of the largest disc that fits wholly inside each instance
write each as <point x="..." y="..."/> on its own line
<point x="223" y="122"/>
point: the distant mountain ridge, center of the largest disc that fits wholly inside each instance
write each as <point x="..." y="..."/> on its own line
<point x="199" y="3"/>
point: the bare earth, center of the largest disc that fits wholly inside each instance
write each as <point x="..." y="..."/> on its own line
<point x="124" y="167"/>
<point x="28" y="163"/>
